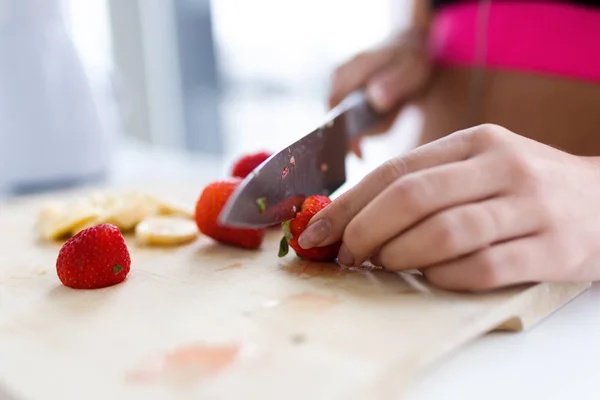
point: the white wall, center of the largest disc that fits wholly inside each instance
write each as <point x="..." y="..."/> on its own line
<point x="296" y="44"/>
<point x="289" y="47"/>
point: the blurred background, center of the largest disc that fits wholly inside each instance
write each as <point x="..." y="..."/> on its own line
<point x="126" y="89"/>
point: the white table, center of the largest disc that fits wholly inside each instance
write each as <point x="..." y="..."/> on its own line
<point x="558" y="359"/>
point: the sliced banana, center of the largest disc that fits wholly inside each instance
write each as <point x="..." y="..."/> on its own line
<point x="166" y="231"/>
<point x="88" y="223"/>
<point x="175" y="208"/>
<point x="55" y="223"/>
<point x="171" y="208"/>
<point x="125" y="210"/>
<point x="129" y="211"/>
<point x="99" y="199"/>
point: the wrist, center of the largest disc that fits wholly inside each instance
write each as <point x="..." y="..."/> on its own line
<point x="421" y="15"/>
<point x="413" y="38"/>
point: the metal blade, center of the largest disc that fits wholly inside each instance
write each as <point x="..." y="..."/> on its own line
<point x="315" y="164"/>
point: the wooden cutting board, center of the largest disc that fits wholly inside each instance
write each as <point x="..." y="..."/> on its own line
<point x="207" y="321"/>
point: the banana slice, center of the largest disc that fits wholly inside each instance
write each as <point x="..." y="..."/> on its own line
<point x="129" y="209"/>
<point x="88" y="223"/>
<point x="55" y="222"/>
<point x="166" y="231"/>
<point x="171" y="208"/>
<point x="124" y="209"/>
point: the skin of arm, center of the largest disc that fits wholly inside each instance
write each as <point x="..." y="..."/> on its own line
<point x="421" y="15"/>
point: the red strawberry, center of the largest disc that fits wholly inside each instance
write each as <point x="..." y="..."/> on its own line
<point x="294" y="228"/>
<point x="94" y="258"/>
<point x="209" y="206"/>
<point x="248" y="163"/>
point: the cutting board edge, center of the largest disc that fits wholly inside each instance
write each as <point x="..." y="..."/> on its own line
<point x="539" y="302"/>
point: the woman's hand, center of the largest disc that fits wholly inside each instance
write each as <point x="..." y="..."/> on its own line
<point x="390" y="74"/>
<point x="479" y="209"/>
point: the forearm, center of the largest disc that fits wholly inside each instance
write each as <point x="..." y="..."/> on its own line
<point x="420" y="15"/>
<point x="414" y="20"/>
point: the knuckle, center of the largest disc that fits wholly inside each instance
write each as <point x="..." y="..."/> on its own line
<point x="522" y="169"/>
<point x="497" y="268"/>
<point x="356" y="237"/>
<point x="492" y="129"/>
<point x="411" y="193"/>
<point x="485" y="135"/>
<point x="484" y="222"/>
<point x="449" y="233"/>
<point x="490" y="269"/>
<point x="341" y="213"/>
<point x="391" y="170"/>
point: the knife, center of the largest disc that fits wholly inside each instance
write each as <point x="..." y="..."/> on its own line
<point x="313" y="165"/>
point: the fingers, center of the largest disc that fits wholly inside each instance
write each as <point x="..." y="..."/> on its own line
<point x="459" y="231"/>
<point x="341" y="211"/>
<point x="397" y="81"/>
<point x="354" y="74"/>
<point x="390" y="74"/>
<point x="505" y="264"/>
<point x="417" y="196"/>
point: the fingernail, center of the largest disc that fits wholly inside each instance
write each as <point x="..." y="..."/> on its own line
<point x="315" y="234"/>
<point x="378" y="95"/>
<point x="344" y="257"/>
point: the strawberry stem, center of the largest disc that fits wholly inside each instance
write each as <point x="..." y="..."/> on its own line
<point x="284" y="248"/>
<point x="286" y="230"/>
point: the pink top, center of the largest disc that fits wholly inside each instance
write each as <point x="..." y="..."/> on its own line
<point x="531" y="36"/>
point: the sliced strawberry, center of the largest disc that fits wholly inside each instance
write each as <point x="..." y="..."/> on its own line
<point x="209" y="206"/>
<point x="294" y="228"/>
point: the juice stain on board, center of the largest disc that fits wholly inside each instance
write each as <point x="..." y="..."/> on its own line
<point x="186" y="364"/>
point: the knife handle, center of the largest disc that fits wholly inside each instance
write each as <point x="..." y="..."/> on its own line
<point x="358" y="115"/>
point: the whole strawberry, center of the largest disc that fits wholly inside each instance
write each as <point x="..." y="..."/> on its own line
<point x="94" y="258"/>
<point x="248" y="163"/>
<point x="294" y="228"/>
<point x="209" y="206"/>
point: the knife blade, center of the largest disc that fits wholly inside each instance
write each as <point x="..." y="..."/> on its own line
<point x="313" y="165"/>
